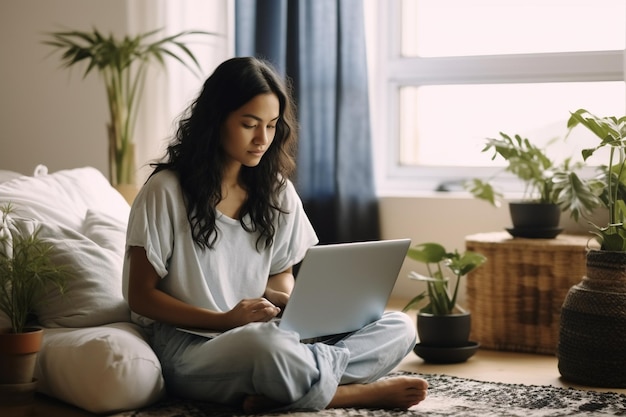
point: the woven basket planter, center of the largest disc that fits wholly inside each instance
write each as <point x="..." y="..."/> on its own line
<point x="592" y="335"/>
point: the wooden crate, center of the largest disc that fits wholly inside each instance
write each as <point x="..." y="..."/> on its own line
<point x="515" y="298"/>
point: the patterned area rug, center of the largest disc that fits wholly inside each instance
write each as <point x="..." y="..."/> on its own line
<point x="448" y="396"/>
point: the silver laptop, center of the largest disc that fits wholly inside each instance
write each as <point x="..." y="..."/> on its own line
<point x="342" y="287"/>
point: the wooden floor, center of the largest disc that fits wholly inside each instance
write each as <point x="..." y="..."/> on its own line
<point x="499" y="366"/>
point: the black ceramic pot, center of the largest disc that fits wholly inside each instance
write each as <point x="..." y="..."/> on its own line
<point x="444" y="339"/>
<point x="534" y="220"/>
<point x="451" y="330"/>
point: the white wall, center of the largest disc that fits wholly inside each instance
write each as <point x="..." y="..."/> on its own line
<point x="51" y="115"/>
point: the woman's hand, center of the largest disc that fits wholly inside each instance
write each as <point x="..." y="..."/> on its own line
<point x="251" y="310"/>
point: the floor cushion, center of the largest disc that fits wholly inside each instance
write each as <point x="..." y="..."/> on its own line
<point x="102" y="369"/>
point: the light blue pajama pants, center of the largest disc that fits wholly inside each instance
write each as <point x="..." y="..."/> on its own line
<point x="261" y="359"/>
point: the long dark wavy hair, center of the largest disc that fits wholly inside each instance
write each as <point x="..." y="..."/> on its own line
<point x="197" y="157"/>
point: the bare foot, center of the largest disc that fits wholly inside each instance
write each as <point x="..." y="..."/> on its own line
<point x="399" y="392"/>
<point x="253" y="404"/>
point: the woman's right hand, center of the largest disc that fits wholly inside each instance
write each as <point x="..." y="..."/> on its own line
<point x="251" y="310"/>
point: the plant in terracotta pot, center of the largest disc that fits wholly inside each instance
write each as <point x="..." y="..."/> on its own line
<point x="122" y="64"/>
<point x="549" y="187"/>
<point x="592" y="332"/>
<point x="26" y="274"/>
<point x="442" y="325"/>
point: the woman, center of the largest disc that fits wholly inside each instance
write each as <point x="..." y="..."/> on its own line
<point x="212" y="239"/>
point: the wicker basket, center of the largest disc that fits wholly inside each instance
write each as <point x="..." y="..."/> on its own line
<point x="515" y="298"/>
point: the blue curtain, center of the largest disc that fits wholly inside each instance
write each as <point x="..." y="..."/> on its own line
<point x="320" y="46"/>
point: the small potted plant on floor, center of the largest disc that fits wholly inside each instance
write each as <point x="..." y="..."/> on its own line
<point x="549" y="187"/>
<point x="26" y="273"/>
<point x="442" y="325"/>
<point x="592" y="332"/>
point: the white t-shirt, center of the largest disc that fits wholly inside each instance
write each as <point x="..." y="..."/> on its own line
<point x="217" y="278"/>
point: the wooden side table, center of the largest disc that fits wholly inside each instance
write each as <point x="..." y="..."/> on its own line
<point x="515" y="298"/>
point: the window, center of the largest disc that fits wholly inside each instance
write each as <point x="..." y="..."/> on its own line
<point x="450" y="73"/>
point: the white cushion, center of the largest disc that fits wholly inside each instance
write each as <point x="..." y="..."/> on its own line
<point x="64" y="197"/>
<point x="85" y="219"/>
<point x="8" y="175"/>
<point x="102" y="369"/>
<point x="105" y="230"/>
<point x="93" y="295"/>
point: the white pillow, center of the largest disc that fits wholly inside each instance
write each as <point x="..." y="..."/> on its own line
<point x="85" y="218"/>
<point x="102" y="370"/>
<point x="106" y="231"/>
<point x="93" y="294"/>
<point x="64" y="197"/>
<point x="8" y="175"/>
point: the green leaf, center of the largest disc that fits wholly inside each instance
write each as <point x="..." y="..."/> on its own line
<point x="467" y="263"/>
<point x="415" y="302"/>
<point x="484" y="191"/>
<point x="427" y="253"/>
<point x="571" y="193"/>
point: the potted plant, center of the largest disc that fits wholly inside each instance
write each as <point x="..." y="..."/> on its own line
<point x="592" y="331"/>
<point x="442" y="325"/>
<point x="122" y="64"/>
<point x="549" y="187"/>
<point x="26" y="273"/>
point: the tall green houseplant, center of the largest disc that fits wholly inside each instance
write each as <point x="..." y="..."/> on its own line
<point x="122" y="64"/>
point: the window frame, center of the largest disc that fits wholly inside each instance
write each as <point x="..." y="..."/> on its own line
<point x="392" y="71"/>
